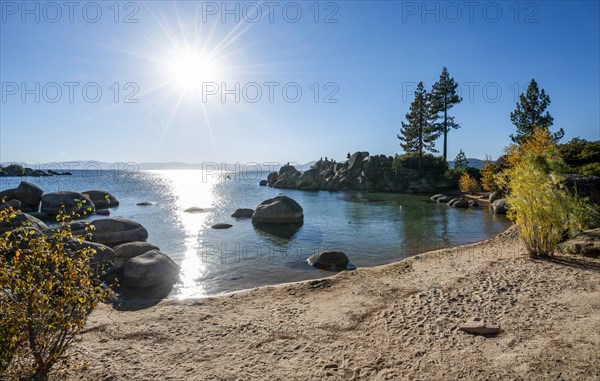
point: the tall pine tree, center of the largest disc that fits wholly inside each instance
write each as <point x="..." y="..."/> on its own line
<point x="444" y="97"/>
<point x="461" y="161"/>
<point x="530" y="113"/>
<point x="419" y="134"/>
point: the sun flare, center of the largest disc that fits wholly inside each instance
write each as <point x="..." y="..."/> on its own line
<point x="190" y="69"/>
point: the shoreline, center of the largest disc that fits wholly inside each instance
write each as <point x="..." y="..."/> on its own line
<point x="396" y="321"/>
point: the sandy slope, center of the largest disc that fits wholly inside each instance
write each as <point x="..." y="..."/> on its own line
<point x="394" y="322"/>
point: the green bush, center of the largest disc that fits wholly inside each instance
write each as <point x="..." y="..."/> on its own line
<point x="429" y="163"/>
<point x="579" y="152"/>
<point x="590" y="169"/>
<point x="47" y="290"/>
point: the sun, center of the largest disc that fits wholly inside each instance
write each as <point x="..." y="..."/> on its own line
<point x="189" y="69"/>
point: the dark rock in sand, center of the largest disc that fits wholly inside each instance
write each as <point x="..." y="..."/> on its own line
<point x="126" y="251"/>
<point x="586" y="243"/>
<point x="329" y="260"/>
<point x="243" y="213"/>
<point x="29" y="193"/>
<point x="278" y="210"/>
<point x="478" y="327"/>
<point x="150" y="269"/>
<point x="102" y="199"/>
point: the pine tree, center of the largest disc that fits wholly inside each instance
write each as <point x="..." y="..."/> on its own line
<point x="419" y="134"/>
<point x="444" y="97"/>
<point x="530" y="113"/>
<point x="461" y="160"/>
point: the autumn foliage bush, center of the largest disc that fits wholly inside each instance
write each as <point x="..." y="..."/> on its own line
<point x="47" y="290"/>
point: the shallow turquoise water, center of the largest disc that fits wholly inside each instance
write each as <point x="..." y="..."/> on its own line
<point x="372" y="229"/>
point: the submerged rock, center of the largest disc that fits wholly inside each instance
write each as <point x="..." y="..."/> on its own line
<point x="263" y="183"/>
<point x="145" y="203"/>
<point x="221" y="226"/>
<point x="278" y="210"/>
<point x="194" y="209"/>
<point x="329" y="260"/>
<point x="243" y="213"/>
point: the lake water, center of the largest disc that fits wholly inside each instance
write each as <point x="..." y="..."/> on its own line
<point x="371" y="228"/>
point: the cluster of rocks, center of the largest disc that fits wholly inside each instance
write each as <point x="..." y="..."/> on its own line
<point x="29" y="198"/>
<point x="497" y="203"/>
<point x="119" y="243"/>
<point x="15" y="170"/>
<point x="361" y="172"/>
<point x="455" y="202"/>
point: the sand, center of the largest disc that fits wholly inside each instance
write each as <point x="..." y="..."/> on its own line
<point x="393" y="322"/>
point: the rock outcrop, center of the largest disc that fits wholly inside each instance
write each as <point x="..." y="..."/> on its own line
<point x="53" y="203"/>
<point x="112" y="231"/>
<point x="153" y="268"/>
<point x="361" y="171"/>
<point x="102" y="199"/>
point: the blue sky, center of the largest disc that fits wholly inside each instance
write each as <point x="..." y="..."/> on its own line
<point x="168" y="72"/>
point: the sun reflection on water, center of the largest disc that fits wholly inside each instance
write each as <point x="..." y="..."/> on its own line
<point x="192" y="190"/>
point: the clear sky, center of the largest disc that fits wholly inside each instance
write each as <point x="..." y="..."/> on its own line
<point x="195" y="82"/>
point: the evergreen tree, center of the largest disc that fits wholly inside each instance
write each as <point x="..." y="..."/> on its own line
<point x="419" y="134"/>
<point x="461" y="160"/>
<point x="530" y="114"/>
<point x="444" y="97"/>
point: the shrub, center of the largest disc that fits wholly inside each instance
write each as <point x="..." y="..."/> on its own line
<point x="47" y="290"/>
<point x="467" y="184"/>
<point x="590" y="169"/>
<point x="429" y="163"/>
<point x="542" y="208"/>
<point x="488" y="177"/>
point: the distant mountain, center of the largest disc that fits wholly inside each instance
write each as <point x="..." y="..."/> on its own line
<point x="475" y="163"/>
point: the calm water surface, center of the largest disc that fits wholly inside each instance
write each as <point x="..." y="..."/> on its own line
<point x="371" y="228"/>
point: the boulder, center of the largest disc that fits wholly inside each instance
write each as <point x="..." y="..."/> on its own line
<point x="460" y="203"/>
<point x="436" y="196"/>
<point x="285" y="184"/>
<point x="329" y="260"/>
<point x="103" y="212"/>
<point x="114" y="231"/>
<point x="15" y="204"/>
<point x="272" y="178"/>
<point x="102" y="199"/>
<point x="262" y="183"/>
<point x="22" y="220"/>
<point x="443" y="199"/>
<point x="52" y="203"/>
<point x="500" y="206"/>
<point x="150" y="269"/>
<point x="494" y="196"/>
<point x="243" y="213"/>
<point x="277" y="210"/>
<point x="42" y="216"/>
<point x="452" y="201"/>
<point x="7" y="195"/>
<point x="584" y="186"/>
<point x="126" y="251"/>
<point x="586" y="243"/>
<point x="221" y="226"/>
<point x="103" y="259"/>
<point x="29" y="193"/>
<point x="473" y="204"/>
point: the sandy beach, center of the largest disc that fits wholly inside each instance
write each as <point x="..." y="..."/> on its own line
<point x="394" y="322"/>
